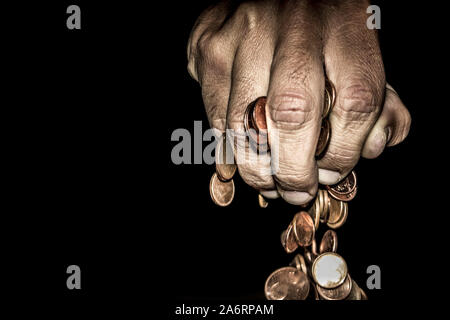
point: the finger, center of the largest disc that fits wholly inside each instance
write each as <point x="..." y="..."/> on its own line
<point x="250" y="80"/>
<point x="214" y="62"/>
<point x="353" y="63"/>
<point x="391" y="128"/>
<point x="294" y="106"/>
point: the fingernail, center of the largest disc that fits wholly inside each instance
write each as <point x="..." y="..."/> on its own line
<point x="270" y="194"/>
<point x="296" y="197"/>
<point x="328" y="177"/>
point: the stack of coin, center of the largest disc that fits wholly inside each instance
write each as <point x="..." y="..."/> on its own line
<point x="221" y="185"/>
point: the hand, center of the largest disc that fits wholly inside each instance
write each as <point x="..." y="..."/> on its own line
<point x="281" y="49"/>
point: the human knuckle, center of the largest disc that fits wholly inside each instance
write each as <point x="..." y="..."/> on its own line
<point x="296" y="178"/>
<point x="342" y="157"/>
<point x="358" y="97"/>
<point x="256" y="176"/>
<point x="291" y="107"/>
<point x="212" y="52"/>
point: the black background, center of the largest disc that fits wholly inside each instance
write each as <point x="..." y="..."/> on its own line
<point x="90" y="181"/>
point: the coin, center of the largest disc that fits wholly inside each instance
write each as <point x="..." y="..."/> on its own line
<point x="324" y="138"/>
<point x="299" y="263"/>
<point x="342" y="219"/>
<point x="309" y="257"/>
<point x="329" y="242"/>
<point x="225" y="166"/>
<point x="355" y="293"/>
<point x="321" y="203"/>
<point x="326" y="207"/>
<point x="329" y="87"/>
<point x="363" y="294"/>
<point x="338" y="293"/>
<point x="329" y="270"/>
<point x="313" y="294"/>
<point x="255" y="121"/>
<point x="344" y="190"/>
<point x="288" y="240"/>
<point x="222" y="193"/>
<point x="314" y="212"/>
<point x="303" y="228"/>
<point x="287" y="283"/>
<point x="327" y="103"/>
<point x="262" y="201"/>
<point x="336" y="211"/>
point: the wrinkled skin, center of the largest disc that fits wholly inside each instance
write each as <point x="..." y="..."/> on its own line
<point x="282" y="50"/>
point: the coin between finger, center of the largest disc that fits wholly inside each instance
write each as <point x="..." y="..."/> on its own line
<point x="225" y="166"/>
<point x="324" y="138"/>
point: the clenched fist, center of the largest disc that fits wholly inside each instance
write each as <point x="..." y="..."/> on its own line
<point x="284" y="50"/>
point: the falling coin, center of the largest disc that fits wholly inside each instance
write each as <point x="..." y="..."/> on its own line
<point x="336" y="211"/>
<point x="287" y="283"/>
<point x="338" y="293"/>
<point x="344" y="190"/>
<point x="288" y="240"/>
<point x="314" y="212"/>
<point x="363" y="294"/>
<point x="329" y="270"/>
<point x="222" y="193"/>
<point x="299" y="263"/>
<point x="262" y="201"/>
<point x="255" y="121"/>
<point x="326" y="207"/>
<point x="225" y="166"/>
<point x="329" y="242"/>
<point x="324" y="138"/>
<point x="355" y="293"/>
<point x="303" y="229"/>
<point x="342" y="218"/>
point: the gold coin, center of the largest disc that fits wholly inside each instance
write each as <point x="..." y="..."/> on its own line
<point x="225" y="166"/>
<point x="222" y="193"/>
<point x="342" y="219"/>
<point x="329" y="270"/>
<point x="262" y="201"/>
<point x="287" y="283"/>
<point x="338" y="293"/>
